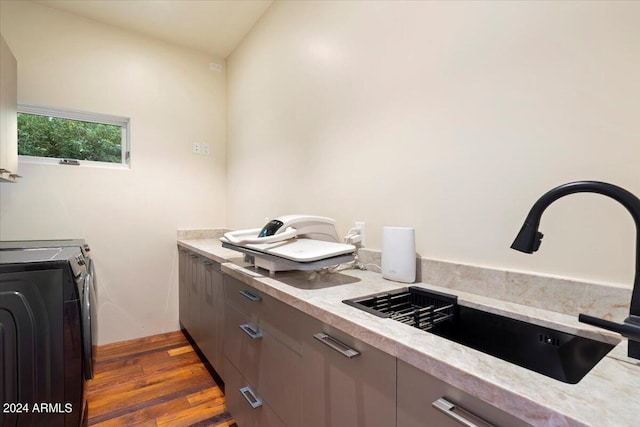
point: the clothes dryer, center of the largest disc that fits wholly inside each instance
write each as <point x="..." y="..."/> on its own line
<point x="46" y="312"/>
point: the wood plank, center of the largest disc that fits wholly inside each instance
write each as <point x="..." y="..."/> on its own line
<point x="151" y="366"/>
<point x="142" y="414"/>
<point x="141" y="369"/>
<point x="128" y="348"/>
<point x="151" y="387"/>
<point x="204" y="395"/>
<point x="106" y="373"/>
<point x="180" y="350"/>
<point x="192" y="415"/>
<point x="154" y="381"/>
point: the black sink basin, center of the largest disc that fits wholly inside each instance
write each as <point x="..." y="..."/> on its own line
<point x="556" y="354"/>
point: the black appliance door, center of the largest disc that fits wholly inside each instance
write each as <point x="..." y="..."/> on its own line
<point x="89" y="321"/>
<point x="31" y="350"/>
<point x="94" y="311"/>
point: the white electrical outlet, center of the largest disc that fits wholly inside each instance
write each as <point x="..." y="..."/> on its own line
<point x="215" y="67"/>
<point x="195" y="148"/>
<point x="360" y="226"/>
<point x="205" y="149"/>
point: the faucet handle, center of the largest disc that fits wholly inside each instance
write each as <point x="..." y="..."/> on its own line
<point x="628" y="329"/>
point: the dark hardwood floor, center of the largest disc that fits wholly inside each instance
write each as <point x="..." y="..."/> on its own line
<point x="154" y="381"/>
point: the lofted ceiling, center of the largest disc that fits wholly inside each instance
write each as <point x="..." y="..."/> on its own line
<point x="212" y="26"/>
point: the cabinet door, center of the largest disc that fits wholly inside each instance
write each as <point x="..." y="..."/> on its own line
<point x="417" y="391"/>
<point x="218" y="320"/>
<point x="8" y="113"/>
<point x="207" y="310"/>
<point x="183" y="287"/>
<point x="211" y="314"/>
<point x="196" y="279"/>
<point x="345" y="381"/>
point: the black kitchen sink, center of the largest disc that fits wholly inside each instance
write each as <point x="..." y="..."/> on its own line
<point x="556" y="354"/>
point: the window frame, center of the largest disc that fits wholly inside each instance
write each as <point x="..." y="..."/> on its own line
<point x="62" y="113"/>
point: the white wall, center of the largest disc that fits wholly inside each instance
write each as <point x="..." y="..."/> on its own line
<point x="129" y="217"/>
<point x="451" y="117"/>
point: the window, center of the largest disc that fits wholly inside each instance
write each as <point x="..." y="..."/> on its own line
<point x="53" y="135"/>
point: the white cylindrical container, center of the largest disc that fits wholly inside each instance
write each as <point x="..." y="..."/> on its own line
<point x="399" y="254"/>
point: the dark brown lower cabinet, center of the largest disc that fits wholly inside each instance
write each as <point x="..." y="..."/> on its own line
<point x="211" y="305"/>
<point x="201" y="304"/>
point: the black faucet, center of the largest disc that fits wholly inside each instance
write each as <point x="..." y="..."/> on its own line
<point x="529" y="238"/>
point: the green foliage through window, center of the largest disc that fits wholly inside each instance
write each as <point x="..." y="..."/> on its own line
<point x="44" y="136"/>
<point x="56" y="133"/>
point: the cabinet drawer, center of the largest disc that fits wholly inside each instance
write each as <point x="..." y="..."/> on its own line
<point x="242" y="350"/>
<point x="276" y="317"/>
<point x="345" y="381"/>
<point x="271" y="367"/>
<point x="417" y="391"/>
<point x="243" y="297"/>
<point x="239" y="401"/>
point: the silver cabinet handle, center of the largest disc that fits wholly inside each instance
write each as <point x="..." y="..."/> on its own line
<point x="336" y="345"/>
<point x="250" y="396"/>
<point x="448" y="408"/>
<point x="251" y="331"/>
<point x="250" y="295"/>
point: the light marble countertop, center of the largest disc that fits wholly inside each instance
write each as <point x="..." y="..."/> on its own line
<point x="609" y="395"/>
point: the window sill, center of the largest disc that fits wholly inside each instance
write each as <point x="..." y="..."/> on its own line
<point x="83" y="163"/>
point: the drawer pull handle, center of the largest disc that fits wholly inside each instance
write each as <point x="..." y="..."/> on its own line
<point x="448" y="408"/>
<point x="251" y="331"/>
<point x="250" y="396"/>
<point x="341" y="348"/>
<point x="250" y="295"/>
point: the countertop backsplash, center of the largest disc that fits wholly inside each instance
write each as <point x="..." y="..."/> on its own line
<point x="190" y="234"/>
<point x="557" y="294"/>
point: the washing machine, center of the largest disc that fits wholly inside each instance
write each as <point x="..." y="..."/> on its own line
<point x="48" y="333"/>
